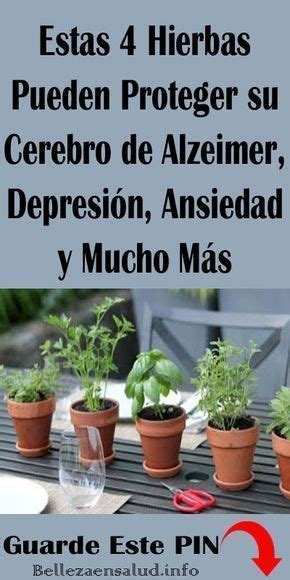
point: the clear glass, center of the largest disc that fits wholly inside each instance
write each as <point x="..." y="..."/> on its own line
<point x="82" y="470"/>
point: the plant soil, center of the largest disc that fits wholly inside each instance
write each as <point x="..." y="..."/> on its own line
<point x="83" y="408"/>
<point x="279" y="434"/>
<point x="42" y="397"/>
<point x="167" y="412"/>
<point x="246" y="422"/>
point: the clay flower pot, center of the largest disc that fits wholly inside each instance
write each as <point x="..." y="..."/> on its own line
<point x="105" y="421"/>
<point x="32" y="423"/>
<point x="281" y="447"/>
<point x="233" y="454"/>
<point x="161" y="442"/>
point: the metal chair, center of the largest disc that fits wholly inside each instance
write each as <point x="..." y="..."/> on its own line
<point x="274" y="349"/>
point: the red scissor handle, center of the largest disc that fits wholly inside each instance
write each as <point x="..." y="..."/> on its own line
<point x="205" y="498"/>
<point x="187" y="502"/>
<point x="193" y="500"/>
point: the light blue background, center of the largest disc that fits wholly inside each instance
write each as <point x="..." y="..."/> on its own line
<point x="260" y="251"/>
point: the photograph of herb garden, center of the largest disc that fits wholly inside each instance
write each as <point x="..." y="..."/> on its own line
<point x="144" y="401"/>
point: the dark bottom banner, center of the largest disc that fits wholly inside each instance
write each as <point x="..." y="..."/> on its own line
<point x="126" y="546"/>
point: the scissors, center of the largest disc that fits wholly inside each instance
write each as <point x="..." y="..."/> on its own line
<point x="190" y="501"/>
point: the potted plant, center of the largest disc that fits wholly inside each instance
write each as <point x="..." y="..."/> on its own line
<point x="225" y="380"/>
<point x="31" y="404"/>
<point x="280" y="429"/>
<point x="160" y="425"/>
<point x="89" y="353"/>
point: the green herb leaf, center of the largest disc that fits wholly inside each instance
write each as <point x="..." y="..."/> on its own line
<point x="136" y="407"/>
<point x="152" y="375"/>
<point x="142" y="365"/>
<point x="226" y="382"/>
<point x="169" y="370"/>
<point x="152" y="390"/>
<point x="89" y="352"/>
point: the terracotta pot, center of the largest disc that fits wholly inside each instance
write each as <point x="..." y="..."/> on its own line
<point x="282" y="449"/>
<point x="32" y="423"/>
<point x="161" y="442"/>
<point x="233" y="454"/>
<point x="105" y="421"/>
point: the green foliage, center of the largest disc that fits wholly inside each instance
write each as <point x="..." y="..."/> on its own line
<point x="281" y="413"/>
<point x="18" y="305"/>
<point x="31" y="385"/>
<point x="225" y="381"/>
<point x="89" y="351"/>
<point x="151" y="376"/>
<point x="57" y="298"/>
<point x="22" y="305"/>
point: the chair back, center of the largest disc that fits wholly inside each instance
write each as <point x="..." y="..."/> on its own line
<point x="270" y="363"/>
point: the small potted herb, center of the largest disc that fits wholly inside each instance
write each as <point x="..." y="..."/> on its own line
<point x="31" y="404"/>
<point x="89" y="353"/>
<point x="160" y="425"/>
<point x="226" y="382"/>
<point x="280" y="429"/>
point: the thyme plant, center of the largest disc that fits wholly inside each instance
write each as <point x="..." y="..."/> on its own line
<point x="281" y="413"/>
<point x="151" y="376"/>
<point x="31" y="385"/>
<point x="226" y="382"/>
<point x="89" y="351"/>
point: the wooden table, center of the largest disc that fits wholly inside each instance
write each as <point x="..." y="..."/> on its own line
<point x="147" y="495"/>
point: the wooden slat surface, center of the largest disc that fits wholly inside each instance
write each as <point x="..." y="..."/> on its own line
<point x="148" y="496"/>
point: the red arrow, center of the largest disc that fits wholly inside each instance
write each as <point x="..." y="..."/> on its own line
<point x="266" y="560"/>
